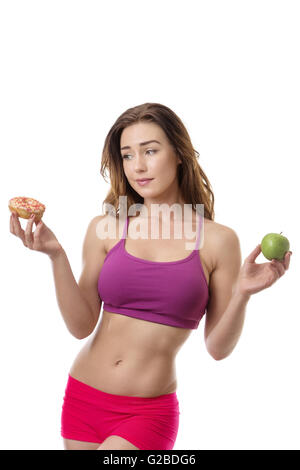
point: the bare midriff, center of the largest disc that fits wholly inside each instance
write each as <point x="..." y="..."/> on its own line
<point x="129" y="356"/>
<point x="133" y="357"/>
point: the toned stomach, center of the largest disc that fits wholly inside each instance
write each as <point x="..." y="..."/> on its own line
<point x="129" y="356"/>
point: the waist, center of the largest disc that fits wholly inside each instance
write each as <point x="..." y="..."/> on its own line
<point x="125" y="374"/>
<point x="109" y="399"/>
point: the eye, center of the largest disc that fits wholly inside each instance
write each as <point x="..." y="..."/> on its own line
<point x="124" y="157"/>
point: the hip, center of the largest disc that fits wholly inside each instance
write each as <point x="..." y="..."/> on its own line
<point x="91" y="415"/>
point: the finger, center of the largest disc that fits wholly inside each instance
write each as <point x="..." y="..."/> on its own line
<point x="287" y="259"/>
<point x="254" y="254"/>
<point x="278" y="267"/>
<point x="275" y="270"/>
<point x="284" y="261"/>
<point x="17" y="229"/>
<point x="28" y="233"/>
<point x="11" y="224"/>
<point x="38" y="221"/>
<point x="37" y="230"/>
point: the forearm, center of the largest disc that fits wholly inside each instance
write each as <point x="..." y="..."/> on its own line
<point x="225" y="335"/>
<point x="73" y="306"/>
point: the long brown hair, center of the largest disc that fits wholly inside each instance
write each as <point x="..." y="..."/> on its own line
<point x="194" y="185"/>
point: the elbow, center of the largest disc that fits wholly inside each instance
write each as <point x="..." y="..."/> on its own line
<point x="88" y="332"/>
<point x="81" y="334"/>
<point x="219" y="357"/>
<point x="216" y="355"/>
<point x="77" y="335"/>
<point x="85" y="332"/>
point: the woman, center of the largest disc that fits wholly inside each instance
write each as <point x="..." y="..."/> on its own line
<point x="121" y="389"/>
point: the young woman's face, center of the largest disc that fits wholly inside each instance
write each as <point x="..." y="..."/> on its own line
<point x="156" y="160"/>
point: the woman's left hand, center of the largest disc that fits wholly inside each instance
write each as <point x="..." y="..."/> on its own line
<point x="255" y="277"/>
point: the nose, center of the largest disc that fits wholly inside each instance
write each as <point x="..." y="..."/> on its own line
<point x="140" y="163"/>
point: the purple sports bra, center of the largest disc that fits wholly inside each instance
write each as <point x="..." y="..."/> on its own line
<point x="172" y="293"/>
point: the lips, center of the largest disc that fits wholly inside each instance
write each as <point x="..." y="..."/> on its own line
<point x="144" y="181"/>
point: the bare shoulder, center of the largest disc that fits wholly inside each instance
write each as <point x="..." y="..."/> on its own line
<point x="220" y="238"/>
<point x="92" y="242"/>
<point x="217" y="229"/>
<point x="94" y="226"/>
<point x="104" y="230"/>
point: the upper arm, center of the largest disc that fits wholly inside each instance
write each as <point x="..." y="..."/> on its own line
<point x="224" y="276"/>
<point x="93" y="255"/>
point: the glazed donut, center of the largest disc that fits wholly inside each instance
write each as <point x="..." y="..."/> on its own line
<point x="25" y="206"/>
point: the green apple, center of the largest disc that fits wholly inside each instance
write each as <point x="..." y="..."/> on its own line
<point x="274" y="246"/>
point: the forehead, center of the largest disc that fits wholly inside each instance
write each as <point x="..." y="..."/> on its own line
<point x="142" y="131"/>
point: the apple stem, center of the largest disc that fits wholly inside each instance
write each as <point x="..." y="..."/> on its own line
<point x="280" y="233"/>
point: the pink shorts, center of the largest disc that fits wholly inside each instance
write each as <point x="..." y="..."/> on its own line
<point x="149" y="423"/>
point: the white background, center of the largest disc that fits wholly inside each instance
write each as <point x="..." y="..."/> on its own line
<point x="230" y="70"/>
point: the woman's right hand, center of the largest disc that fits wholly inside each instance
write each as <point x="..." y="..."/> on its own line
<point x="42" y="239"/>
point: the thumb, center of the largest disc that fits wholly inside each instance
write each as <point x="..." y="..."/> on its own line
<point x="254" y="254"/>
<point x="39" y="226"/>
<point x="38" y="223"/>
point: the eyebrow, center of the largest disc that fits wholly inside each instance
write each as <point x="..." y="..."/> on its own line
<point x="141" y="144"/>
